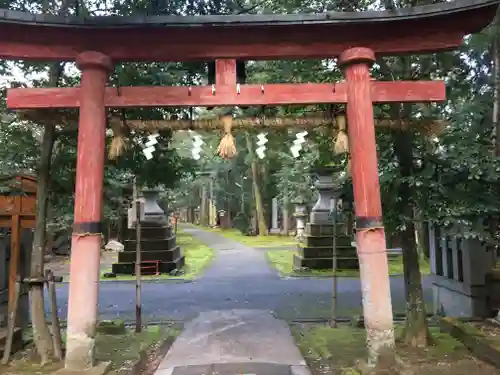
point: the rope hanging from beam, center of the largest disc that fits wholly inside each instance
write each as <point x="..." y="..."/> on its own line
<point x="341" y="145"/>
<point x="119" y="143"/>
<point x="66" y="118"/>
<point x="227" y="147"/>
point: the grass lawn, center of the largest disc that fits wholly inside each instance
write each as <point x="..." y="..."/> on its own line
<point x="253" y="241"/>
<point x="198" y="256"/>
<point x="337" y="349"/>
<point x="282" y="261"/>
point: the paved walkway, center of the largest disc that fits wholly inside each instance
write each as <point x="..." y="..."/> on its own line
<point x="239" y="278"/>
<point x="234" y="342"/>
<point x="232" y="259"/>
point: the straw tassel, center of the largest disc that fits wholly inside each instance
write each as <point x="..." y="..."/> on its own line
<point x="342" y="142"/>
<point x="118" y="144"/>
<point x="227" y="148"/>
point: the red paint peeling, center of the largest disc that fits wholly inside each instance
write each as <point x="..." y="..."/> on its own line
<point x="86" y="247"/>
<point x="371" y="246"/>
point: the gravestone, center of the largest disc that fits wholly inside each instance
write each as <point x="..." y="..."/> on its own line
<point x="459" y="268"/>
<point x="316" y="249"/>
<point x="159" y="251"/>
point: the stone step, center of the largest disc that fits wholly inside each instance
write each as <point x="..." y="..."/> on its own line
<point x="161" y="255"/>
<point x="235" y="369"/>
<point x="341" y="240"/>
<point x="324" y="229"/>
<point x="164" y="267"/>
<point x="156" y="232"/>
<point x="324" y="263"/>
<point x="234" y="342"/>
<point x="327" y="251"/>
<point x="148" y="244"/>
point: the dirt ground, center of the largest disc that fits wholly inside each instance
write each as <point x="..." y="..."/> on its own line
<point x="335" y="351"/>
<point x="122" y="350"/>
<point x="491" y="331"/>
<point x="60" y="264"/>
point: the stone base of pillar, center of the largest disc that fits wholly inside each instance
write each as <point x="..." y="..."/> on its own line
<point x="100" y="369"/>
<point x="316" y="249"/>
<point x="275" y="231"/>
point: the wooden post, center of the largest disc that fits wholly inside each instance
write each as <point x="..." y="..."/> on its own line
<point x="138" y="310"/>
<point x="15" y="256"/>
<point x="333" y="320"/>
<point x="370" y="237"/>
<point x="56" y="328"/>
<point x="87" y="228"/>
<point x="11" y="320"/>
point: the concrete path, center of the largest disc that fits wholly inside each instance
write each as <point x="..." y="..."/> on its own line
<point x="232" y="259"/>
<point x="239" y="278"/>
<point x="234" y="342"/>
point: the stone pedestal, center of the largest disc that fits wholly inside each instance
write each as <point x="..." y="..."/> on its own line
<point x="459" y="268"/>
<point x="159" y="252"/>
<point x="316" y="250"/>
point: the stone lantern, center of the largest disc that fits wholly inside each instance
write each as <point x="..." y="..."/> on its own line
<point x="320" y="213"/>
<point x="223" y="219"/>
<point x="316" y="249"/>
<point x="300" y="215"/>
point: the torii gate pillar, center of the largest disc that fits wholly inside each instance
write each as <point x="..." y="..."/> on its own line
<point x="370" y="236"/>
<point x="86" y="239"/>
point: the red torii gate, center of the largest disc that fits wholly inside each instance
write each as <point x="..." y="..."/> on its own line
<point x="96" y="43"/>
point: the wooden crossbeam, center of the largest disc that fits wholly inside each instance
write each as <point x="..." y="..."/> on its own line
<point x="227" y="95"/>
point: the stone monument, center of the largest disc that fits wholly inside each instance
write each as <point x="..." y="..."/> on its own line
<point x="459" y="269"/>
<point x="316" y="249"/>
<point x="159" y="251"/>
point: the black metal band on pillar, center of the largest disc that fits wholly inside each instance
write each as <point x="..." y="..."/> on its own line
<point x="368" y="222"/>
<point x="88" y="227"/>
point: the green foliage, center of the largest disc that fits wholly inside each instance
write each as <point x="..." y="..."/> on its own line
<point x="454" y="179"/>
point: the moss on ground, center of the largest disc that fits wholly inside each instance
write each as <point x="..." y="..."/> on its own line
<point x="282" y="261"/>
<point x="336" y="350"/>
<point x="122" y="350"/>
<point x="198" y="257"/>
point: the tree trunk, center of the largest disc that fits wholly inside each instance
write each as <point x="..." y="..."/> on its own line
<point x="496" y="83"/>
<point x="259" y="207"/>
<point x="496" y="102"/>
<point x="423" y="238"/>
<point x="41" y="334"/>
<point x="203" y="207"/>
<point x="416" y="332"/>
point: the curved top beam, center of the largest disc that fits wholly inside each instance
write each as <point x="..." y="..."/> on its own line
<point x="427" y="28"/>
